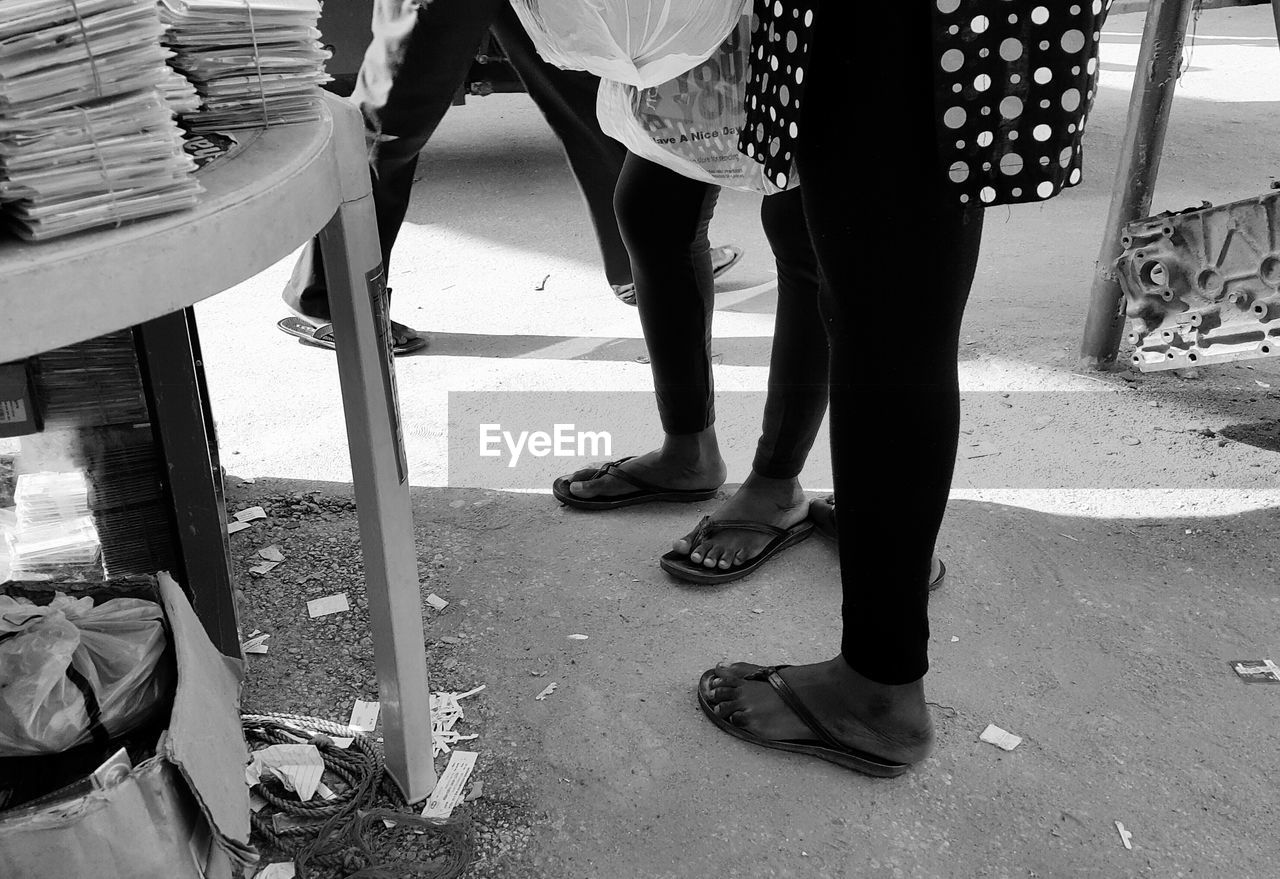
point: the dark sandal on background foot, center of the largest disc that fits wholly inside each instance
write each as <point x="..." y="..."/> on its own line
<point x="645" y="492"/>
<point x="683" y="568"/>
<point x="722" y="259"/>
<point x="823" y="513"/>
<point x="822" y="745"/>
<point x="404" y="339"/>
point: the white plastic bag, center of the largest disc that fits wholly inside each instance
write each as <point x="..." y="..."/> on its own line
<point x="690" y="124"/>
<point x="116" y="650"/>
<point x="638" y="42"/>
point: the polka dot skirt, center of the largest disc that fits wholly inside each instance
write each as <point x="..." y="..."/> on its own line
<point x="1013" y="83"/>
<point x="780" y="36"/>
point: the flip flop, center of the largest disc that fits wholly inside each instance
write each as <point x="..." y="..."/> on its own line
<point x="321" y="335"/>
<point x="823" y="513"/>
<point x="645" y="492"/>
<point x="822" y="745"/>
<point x="723" y="258"/>
<point x="681" y="567"/>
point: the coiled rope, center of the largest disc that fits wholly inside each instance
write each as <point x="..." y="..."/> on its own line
<point x="365" y="798"/>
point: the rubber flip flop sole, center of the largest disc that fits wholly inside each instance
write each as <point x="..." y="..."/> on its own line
<point x="307" y="333"/>
<point x="680" y="567"/>
<point x="560" y="490"/>
<point x="867" y="764"/>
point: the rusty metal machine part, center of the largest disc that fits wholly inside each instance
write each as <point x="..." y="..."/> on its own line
<point x="1203" y="285"/>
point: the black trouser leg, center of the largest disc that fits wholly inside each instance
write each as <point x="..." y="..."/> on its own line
<point x="567" y="98"/>
<point x="417" y="61"/>
<point x="664" y="219"/>
<point x="800" y="361"/>
<point x="919" y="248"/>
<point x="415" y="64"/>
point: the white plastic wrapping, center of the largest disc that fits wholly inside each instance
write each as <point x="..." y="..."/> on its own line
<point x="637" y="42"/>
<point x="691" y="123"/>
<point x="117" y="647"/>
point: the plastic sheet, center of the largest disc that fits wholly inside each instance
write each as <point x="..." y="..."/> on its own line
<point x="638" y="42"/>
<point x="51" y="654"/>
<point x="690" y="124"/>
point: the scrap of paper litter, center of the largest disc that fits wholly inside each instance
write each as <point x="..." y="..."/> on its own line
<point x="1256" y="671"/>
<point x="437" y="602"/>
<point x="578" y="637"/>
<point x="271" y="553"/>
<point x="449" y="789"/>
<point x="325" y="793"/>
<point x="298" y="766"/>
<point x="248" y="515"/>
<point x="1125" y="836"/>
<point x="257" y="644"/>
<point x="264" y="568"/>
<point x="364" y="715"/>
<point x="282" y="870"/>
<point x="547" y="691"/>
<point x="233" y="527"/>
<point x="319" y="607"/>
<point x="445" y="714"/>
<point x="994" y="735"/>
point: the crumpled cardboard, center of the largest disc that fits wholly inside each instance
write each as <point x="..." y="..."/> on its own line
<point x="183" y="814"/>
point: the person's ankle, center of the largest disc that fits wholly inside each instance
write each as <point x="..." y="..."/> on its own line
<point x="694" y="451"/>
<point x="895" y="706"/>
<point x="774" y="486"/>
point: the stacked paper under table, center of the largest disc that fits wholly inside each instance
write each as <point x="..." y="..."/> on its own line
<point x="86" y="139"/>
<point x="254" y="62"/>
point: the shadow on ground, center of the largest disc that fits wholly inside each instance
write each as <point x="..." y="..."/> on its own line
<point x="1104" y="643"/>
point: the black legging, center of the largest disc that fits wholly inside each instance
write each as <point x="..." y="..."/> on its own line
<point x="894" y="296"/>
<point x="664" y="218"/>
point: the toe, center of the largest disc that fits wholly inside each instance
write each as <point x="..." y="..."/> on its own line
<point x="686" y="546"/>
<point x="711" y="556"/>
<point x="734" y="672"/>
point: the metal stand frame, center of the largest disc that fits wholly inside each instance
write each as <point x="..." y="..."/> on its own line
<point x="1153" y="84"/>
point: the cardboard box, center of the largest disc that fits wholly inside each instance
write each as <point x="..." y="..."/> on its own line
<point x="183" y="814"/>
<point x="19" y="411"/>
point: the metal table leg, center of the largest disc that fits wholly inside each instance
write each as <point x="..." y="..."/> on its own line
<point x="1153" y="83"/>
<point x="357" y="302"/>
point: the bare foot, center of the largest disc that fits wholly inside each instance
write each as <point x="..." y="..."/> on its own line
<point x="779" y="502"/>
<point x="684" y="462"/>
<point x="888" y="721"/>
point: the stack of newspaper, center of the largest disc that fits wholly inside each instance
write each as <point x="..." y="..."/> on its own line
<point x="180" y="93"/>
<point x="86" y="139"/>
<point x="254" y="62"/>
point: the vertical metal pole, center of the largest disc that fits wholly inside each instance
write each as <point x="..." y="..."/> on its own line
<point x="1153" y="84"/>
<point x="173" y="373"/>
<point x="357" y="303"/>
